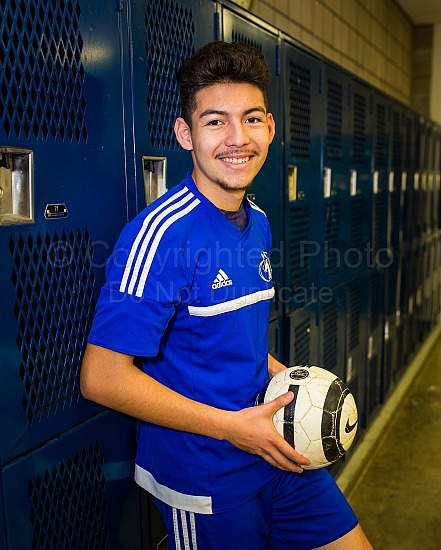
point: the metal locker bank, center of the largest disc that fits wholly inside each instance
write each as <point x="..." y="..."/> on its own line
<point x="351" y="189"/>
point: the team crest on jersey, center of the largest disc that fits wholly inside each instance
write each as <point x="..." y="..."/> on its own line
<point x="265" y="270"/>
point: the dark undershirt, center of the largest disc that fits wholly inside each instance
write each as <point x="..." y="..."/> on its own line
<point x="239" y="218"/>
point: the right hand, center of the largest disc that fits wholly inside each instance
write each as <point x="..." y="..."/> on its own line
<point x="253" y="431"/>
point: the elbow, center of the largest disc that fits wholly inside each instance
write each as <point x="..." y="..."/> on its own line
<point x="89" y="380"/>
<point x="86" y="385"/>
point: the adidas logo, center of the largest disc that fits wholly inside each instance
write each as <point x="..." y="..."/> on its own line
<point x="221" y="280"/>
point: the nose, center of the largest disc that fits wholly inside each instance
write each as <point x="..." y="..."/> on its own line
<point x="237" y="134"/>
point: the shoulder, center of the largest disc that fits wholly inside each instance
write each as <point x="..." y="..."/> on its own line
<point x="256" y="208"/>
<point x="172" y="209"/>
<point x="259" y="216"/>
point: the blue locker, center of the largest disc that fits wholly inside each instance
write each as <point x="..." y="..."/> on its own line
<point x="61" y="110"/>
<point x="302" y="175"/>
<point x="336" y="174"/>
<point x="161" y="35"/>
<point x="394" y="237"/>
<point x="380" y="256"/>
<point x="302" y="335"/>
<point x="380" y="181"/>
<point x="407" y="229"/>
<point x="75" y="491"/>
<point x="356" y="347"/>
<point x="332" y="330"/>
<point x="274" y="339"/>
<point x="420" y="245"/>
<point x="375" y="319"/>
<point x="435" y="180"/>
<point x="360" y="187"/>
<point x="62" y="137"/>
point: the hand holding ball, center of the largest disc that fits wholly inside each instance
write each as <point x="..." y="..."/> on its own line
<point x="321" y="421"/>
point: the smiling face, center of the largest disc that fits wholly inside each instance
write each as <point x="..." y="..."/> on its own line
<point x="229" y="138"/>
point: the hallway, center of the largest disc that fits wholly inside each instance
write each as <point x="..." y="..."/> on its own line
<point x="397" y="494"/>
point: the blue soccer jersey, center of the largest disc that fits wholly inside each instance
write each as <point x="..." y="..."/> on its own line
<point x="189" y="294"/>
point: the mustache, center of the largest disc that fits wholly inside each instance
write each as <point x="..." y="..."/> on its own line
<point x="236" y="152"/>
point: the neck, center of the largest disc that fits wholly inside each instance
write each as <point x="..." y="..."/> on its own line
<point x="229" y="200"/>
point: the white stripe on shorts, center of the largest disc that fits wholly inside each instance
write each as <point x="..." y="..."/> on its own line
<point x="188" y="529"/>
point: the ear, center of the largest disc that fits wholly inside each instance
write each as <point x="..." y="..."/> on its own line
<point x="271" y="126"/>
<point x="183" y="134"/>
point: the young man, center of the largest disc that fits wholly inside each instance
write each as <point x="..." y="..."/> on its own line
<point x="188" y="292"/>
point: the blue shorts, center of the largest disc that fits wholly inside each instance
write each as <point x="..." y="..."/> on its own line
<point x="295" y="511"/>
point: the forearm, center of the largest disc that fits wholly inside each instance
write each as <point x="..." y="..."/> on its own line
<point x="114" y="381"/>
<point x="274" y="366"/>
<point x="111" y="379"/>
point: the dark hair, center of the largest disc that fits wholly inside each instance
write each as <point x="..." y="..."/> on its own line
<point x="220" y="63"/>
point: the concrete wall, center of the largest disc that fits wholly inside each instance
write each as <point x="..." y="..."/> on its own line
<point x="371" y="38"/>
<point x="422" y="68"/>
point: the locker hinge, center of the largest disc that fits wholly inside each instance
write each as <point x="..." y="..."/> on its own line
<point x="119" y="5"/>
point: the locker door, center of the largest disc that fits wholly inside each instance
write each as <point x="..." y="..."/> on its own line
<point x="302" y="175"/>
<point x="336" y="173"/>
<point x="76" y="491"/>
<point x="63" y="179"/>
<point x="356" y="342"/>
<point x="380" y="180"/>
<point x="394" y="237"/>
<point x="162" y="34"/>
<point x="360" y="187"/>
<point x="375" y="318"/>
<point x="332" y="331"/>
<point x="302" y="336"/>
<point x="61" y="136"/>
<point x="407" y="228"/>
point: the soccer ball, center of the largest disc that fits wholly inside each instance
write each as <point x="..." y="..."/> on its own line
<point x="321" y="420"/>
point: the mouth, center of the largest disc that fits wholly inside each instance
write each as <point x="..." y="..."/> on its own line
<point x="235" y="160"/>
<point x="238" y="157"/>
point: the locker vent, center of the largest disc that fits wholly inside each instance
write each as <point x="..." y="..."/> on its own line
<point x="359" y="130"/>
<point x="68" y="504"/>
<point x="302" y="343"/>
<point x="357" y="248"/>
<point x="54" y="305"/>
<point x="397" y="155"/>
<point x="354" y="316"/>
<point x="169" y="41"/>
<point x="330" y="323"/>
<point x="332" y="252"/>
<point x="378" y="233"/>
<point x="299" y="240"/>
<point x="334" y="120"/>
<point x="380" y="136"/>
<point x="41" y="73"/>
<point x="300" y="111"/>
<point x="239" y="37"/>
<point x="376" y="299"/>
